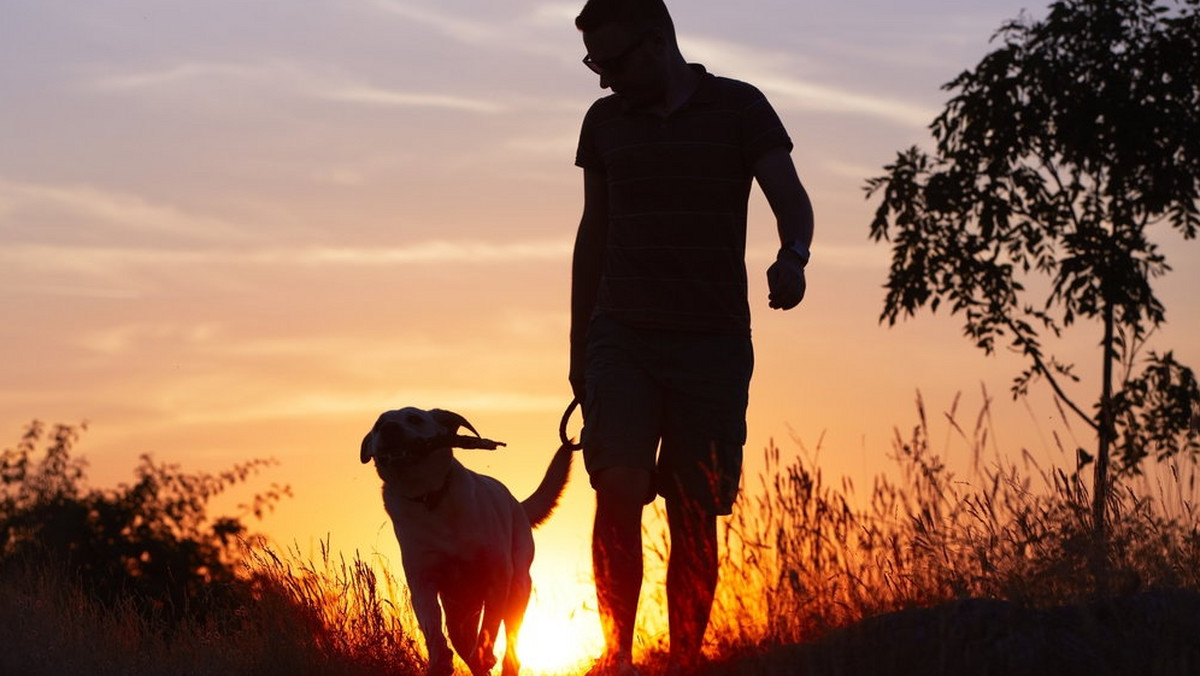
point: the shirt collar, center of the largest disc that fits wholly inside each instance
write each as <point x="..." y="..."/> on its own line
<point x="705" y="92"/>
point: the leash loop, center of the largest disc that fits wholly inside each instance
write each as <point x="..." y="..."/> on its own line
<point x="562" y="427"/>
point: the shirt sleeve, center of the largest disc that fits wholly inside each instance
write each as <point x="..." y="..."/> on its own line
<point x="762" y="130"/>
<point x="586" y="155"/>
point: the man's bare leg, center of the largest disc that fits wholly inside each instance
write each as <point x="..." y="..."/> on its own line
<point x="691" y="579"/>
<point x="617" y="553"/>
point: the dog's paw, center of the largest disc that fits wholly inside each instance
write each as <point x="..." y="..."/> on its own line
<point x="484" y="660"/>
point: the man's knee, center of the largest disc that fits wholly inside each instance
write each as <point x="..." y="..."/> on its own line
<point x="623" y="486"/>
<point x="690" y="523"/>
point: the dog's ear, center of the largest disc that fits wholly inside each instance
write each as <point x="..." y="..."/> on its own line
<point x="367" y="452"/>
<point x="451" y="421"/>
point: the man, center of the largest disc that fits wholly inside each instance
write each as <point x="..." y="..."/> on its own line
<point x="660" y="323"/>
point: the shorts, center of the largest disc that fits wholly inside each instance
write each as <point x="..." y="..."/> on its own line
<point x="673" y="403"/>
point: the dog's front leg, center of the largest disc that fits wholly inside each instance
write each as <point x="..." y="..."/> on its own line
<point x="514" y="616"/>
<point x="429" y="619"/>
<point x="493" y="612"/>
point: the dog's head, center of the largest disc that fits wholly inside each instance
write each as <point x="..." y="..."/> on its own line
<point x="407" y="436"/>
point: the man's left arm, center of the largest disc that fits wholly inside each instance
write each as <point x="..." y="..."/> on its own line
<point x="776" y="175"/>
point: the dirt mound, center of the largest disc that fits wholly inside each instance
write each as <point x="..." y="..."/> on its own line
<point x="1152" y="633"/>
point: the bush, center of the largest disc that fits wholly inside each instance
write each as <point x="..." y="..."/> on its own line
<point x="150" y="543"/>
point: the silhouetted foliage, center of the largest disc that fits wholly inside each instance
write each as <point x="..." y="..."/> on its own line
<point x="150" y="542"/>
<point x="1056" y="155"/>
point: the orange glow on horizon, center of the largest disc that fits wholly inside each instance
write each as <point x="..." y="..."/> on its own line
<point x="558" y="638"/>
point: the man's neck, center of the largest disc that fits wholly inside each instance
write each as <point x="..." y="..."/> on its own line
<point x="680" y="87"/>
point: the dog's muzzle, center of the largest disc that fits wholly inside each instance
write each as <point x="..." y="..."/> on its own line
<point x="398" y="449"/>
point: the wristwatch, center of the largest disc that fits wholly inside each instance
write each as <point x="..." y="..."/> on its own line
<point x="796" y="249"/>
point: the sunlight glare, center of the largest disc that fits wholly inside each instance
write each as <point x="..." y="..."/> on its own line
<point x="556" y="640"/>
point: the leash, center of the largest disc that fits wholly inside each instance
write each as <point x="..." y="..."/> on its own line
<point x="562" y="427"/>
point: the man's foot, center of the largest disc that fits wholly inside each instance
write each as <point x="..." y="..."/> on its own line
<point x="688" y="666"/>
<point x="614" y="664"/>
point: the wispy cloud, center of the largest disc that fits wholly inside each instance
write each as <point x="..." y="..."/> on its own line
<point x="853" y="256"/>
<point x="556" y="14"/>
<point x="135" y="336"/>
<point x="858" y="172"/>
<point x="288" y="78"/>
<point x="435" y="251"/>
<point x="94" y="258"/>
<point x="114" y="210"/>
<point x="177" y="74"/>
<point x="771" y="72"/>
<point x="378" y="96"/>
<point x="538" y="32"/>
<point x="812" y="96"/>
<point x="463" y="30"/>
<point x="192" y="403"/>
<point x="106" y="260"/>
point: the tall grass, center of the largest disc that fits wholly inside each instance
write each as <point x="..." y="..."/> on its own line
<point x="801" y="558"/>
<point x="324" y="616"/>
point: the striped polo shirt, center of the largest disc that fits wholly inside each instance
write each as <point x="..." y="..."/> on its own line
<point x="678" y="189"/>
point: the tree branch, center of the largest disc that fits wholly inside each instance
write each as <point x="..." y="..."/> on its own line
<point x="1040" y="365"/>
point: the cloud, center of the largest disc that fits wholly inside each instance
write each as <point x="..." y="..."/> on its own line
<point x="195" y="403"/>
<point x="85" y="259"/>
<point x="377" y="96"/>
<point x="435" y="251"/>
<point x="523" y="33"/>
<point x="289" y="78"/>
<point x="136" y="336"/>
<point x="470" y="32"/>
<point x="68" y="291"/>
<point x="113" y="210"/>
<point x="859" y="172"/>
<point x="116" y="273"/>
<point x="556" y="14"/>
<point x="852" y="256"/>
<point x="771" y="73"/>
<point x="811" y="96"/>
<point x="178" y="73"/>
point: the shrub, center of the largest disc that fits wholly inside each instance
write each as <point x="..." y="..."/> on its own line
<point x="150" y="542"/>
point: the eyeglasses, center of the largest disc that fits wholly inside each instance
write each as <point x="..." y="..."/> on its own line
<point x="613" y="63"/>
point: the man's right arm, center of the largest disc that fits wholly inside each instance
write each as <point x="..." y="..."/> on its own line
<point x="586" y="266"/>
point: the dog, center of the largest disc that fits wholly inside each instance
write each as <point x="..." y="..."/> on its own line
<point x="464" y="538"/>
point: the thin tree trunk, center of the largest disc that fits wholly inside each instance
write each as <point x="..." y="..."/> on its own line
<point x="1106" y="437"/>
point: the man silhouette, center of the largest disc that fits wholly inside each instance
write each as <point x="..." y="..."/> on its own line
<point x="660" y="323"/>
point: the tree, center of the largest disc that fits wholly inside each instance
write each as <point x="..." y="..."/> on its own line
<point x="151" y="542"/>
<point x="1054" y="158"/>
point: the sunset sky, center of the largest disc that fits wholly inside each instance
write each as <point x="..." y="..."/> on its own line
<point x="243" y="228"/>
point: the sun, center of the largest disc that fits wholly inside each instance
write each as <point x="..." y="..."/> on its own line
<point x="556" y="639"/>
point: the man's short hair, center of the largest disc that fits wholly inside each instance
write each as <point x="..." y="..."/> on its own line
<point x="637" y="15"/>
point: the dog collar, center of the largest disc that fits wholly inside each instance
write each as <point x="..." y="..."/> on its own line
<point x="431" y="499"/>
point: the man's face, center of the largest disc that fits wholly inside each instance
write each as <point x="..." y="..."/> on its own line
<point x="631" y="64"/>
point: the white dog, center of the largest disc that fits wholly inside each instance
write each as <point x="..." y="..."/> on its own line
<point x="463" y="536"/>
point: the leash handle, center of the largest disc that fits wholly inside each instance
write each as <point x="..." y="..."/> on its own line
<point x="562" y="427"/>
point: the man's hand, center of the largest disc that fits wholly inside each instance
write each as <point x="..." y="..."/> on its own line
<point x="785" y="280"/>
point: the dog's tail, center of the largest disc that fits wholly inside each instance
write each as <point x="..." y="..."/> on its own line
<point x="539" y="506"/>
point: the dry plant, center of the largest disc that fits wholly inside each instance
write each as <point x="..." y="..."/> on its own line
<point x="802" y="558"/>
<point x="328" y="617"/>
<point x="350" y="613"/>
